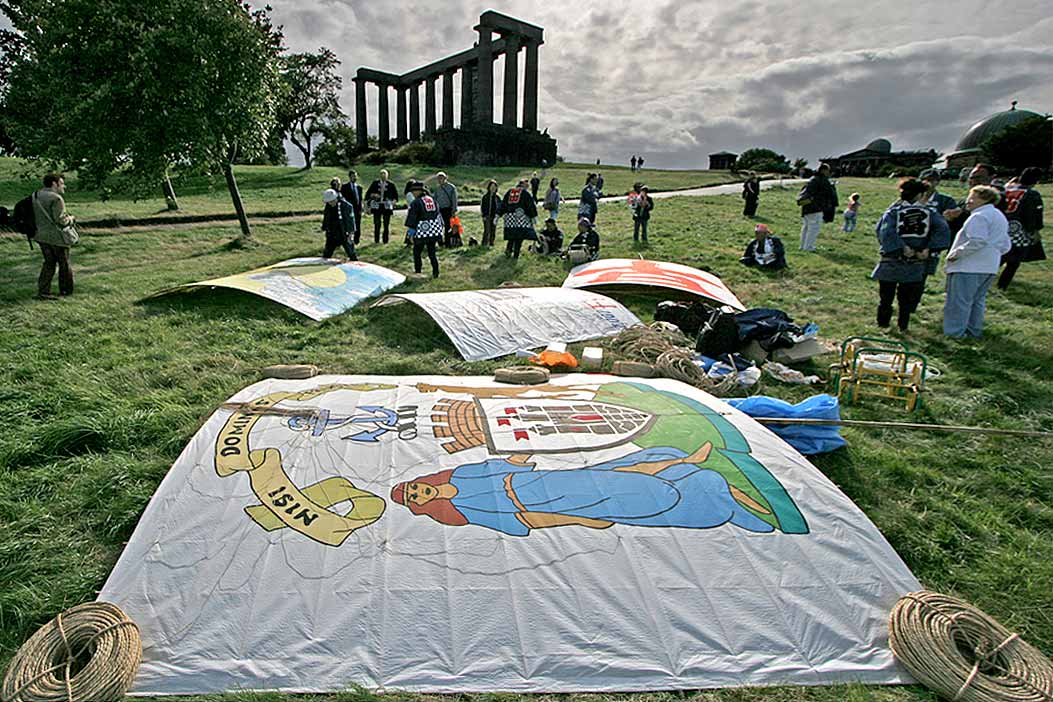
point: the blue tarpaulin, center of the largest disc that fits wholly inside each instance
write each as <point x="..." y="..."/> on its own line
<point x="808" y="440"/>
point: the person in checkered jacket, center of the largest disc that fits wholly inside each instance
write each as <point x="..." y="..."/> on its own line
<point x="519" y="210"/>
<point x="425" y="226"/>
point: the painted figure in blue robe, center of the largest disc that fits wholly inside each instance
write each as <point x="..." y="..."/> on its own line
<point x="654" y="487"/>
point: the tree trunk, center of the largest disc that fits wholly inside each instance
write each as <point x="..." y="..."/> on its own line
<point x="239" y="206"/>
<point x="169" y="191"/>
<point x="305" y="150"/>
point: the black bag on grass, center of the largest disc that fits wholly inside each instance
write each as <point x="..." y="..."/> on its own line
<point x="719" y="335"/>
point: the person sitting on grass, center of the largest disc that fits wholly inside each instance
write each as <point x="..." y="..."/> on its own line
<point x="764" y="251"/>
<point x="550" y="239"/>
<point x="588" y="239"/>
<point x="338" y="223"/>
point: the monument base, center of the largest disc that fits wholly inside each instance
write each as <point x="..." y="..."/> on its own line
<point x="494" y="145"/>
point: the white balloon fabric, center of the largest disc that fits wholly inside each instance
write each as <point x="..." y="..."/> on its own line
<point x="627" y="273"/>
<point x="486" y="324"/>
<point x="315" y="287"/>
<point x="442" y="534"/>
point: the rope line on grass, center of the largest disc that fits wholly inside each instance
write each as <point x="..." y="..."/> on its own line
<point x="99" y="635"/>
<point x="964" y="654"/>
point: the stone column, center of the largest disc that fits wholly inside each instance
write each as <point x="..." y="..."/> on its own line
<point x="361" y="127"/>
<point x="383" y="121"/>
<point x="429" y="104"/>
<point x="447" y="99"/>
<point x="484" y="101"/>
<point x="414" y="112"/>
<point x="511" y="99"/>
<point x="530" y="88"/>
<point x="400" y="116"/>
<point x="467" y="95"/>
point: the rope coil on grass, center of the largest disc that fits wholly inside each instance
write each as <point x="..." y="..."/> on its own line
<point x="964" y="654"/>
<point x="89" y="653"/>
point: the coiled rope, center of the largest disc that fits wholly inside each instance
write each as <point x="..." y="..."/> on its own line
<point x="89" y="653"/>
<point x="963" y="654"/>
<point x="668" y="350"/>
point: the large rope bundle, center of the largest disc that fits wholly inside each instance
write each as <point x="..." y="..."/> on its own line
<point x="89" y="653"/>
<point x="963" y="654"/>
<point x="668" y="350"/>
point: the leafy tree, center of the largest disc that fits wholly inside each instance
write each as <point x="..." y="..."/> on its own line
<point x="338" y="147"/>
<point x="1028" y="143"/>
<point x="310" y="100"/>
<point x="799" y="164"/>
<point x="762" y="160"/>
<point x="132" y="90"/>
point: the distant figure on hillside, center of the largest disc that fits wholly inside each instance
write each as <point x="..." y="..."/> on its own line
<point x="490" y="208"/>
<point x="904" y="233"/>
<point x="424" y="226"/>
<point x="599" y="182"/>
<point x="338" y="223"/>
<point x="54" y="229"/>
<point x="446" y="197"/>
<point x="352" y="192"/>
<point x="972" y="262"/>
<point x="751" y="194"/>
<point x="639" y="163"/>
<point x="553" y="198"/>
<point x="642" y="214"/>
<point x="589" y="205"/>
<point x="535" y="183"/>
<point x="632" y="163"/>
<point x="851" y="213"/>
<point x="519" y="210"/>
<point x="816" y="198"/>
<point x="1024" y="209"/>
<point x="381" y="196"/>
<point x="764" y="251"/>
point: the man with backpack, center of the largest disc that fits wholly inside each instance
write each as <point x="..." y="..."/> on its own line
<point x="55" y="234"/>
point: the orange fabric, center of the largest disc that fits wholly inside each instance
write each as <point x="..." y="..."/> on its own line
<point x="551" y="359"/>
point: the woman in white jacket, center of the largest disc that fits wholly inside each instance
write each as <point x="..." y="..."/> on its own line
<point x="972" y="263"/>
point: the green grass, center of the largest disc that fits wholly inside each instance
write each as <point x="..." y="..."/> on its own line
<point x="99" y="393"/>
<point x="290" y="189"/>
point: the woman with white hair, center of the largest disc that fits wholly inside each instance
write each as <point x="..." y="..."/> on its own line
<point x="972" y="263"/>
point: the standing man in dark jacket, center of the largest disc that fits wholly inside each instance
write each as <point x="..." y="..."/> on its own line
<point x="381" y="196"/>
<point x="425" y="226"/>
<point x="589" y="205"/>
<point x="816" y="198"/>
<point x="751" y="194"/>
<point x="642" y="214"/>
<point x="446" y="198"/>
<point x="535" y="183"/>
<point x="519" y="210"/>
<point x="352" y="192"/>
<point x="49" y="210"/>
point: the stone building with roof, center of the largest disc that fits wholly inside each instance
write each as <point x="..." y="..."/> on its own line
<point x="722" y="161"/>
<point x="968" y="151"/>
<point x="871" y="158"/>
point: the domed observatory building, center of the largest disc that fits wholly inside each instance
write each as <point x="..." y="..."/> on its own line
<point x="968" y="151"/>
<point x="869" y="160"/>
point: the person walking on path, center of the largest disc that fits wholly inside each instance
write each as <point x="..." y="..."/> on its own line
<point x="642" y="214"/>
<point x="1024" y="210"/>
<point x="751" y="194"/>
<point x="352" y="192"/>
<point x="519" y="210"/>
<point x="381" y="196"/>
<point x="553" y="198"/>
<point x="816" y="198"/>
<point x="904" y="233"/>
<point x="446" y="198"/>
<point x="55" y="235"/>
<point x="424" y="226"/>
<point x="588" y="206"/>
<point x="490" y="207"/>
<point x="972" y="263"/>
<point x="338" y="223"/>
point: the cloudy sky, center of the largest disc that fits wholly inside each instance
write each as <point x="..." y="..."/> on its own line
<point x="676" y="80"/>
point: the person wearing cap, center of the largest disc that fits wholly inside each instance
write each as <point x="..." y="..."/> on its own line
<point x="424" y="226"/>
<point x="519" y="210"/>
<point x="338" y="223"/>
<point x="587" y="237"/>
<point x="765" y="250"/>
<point x="446" y="197"/>
<point x="381" y="196"/>
<point x="642" y="214"/>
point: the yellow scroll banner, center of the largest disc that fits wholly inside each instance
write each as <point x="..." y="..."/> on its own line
<point x="306" y="511"/>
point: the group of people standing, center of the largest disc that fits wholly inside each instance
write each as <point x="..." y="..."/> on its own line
<point x="635" y="163"/>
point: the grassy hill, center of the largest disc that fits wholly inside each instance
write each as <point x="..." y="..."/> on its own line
<point x="100" y="392"/>
<point x="270" y="189"/>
